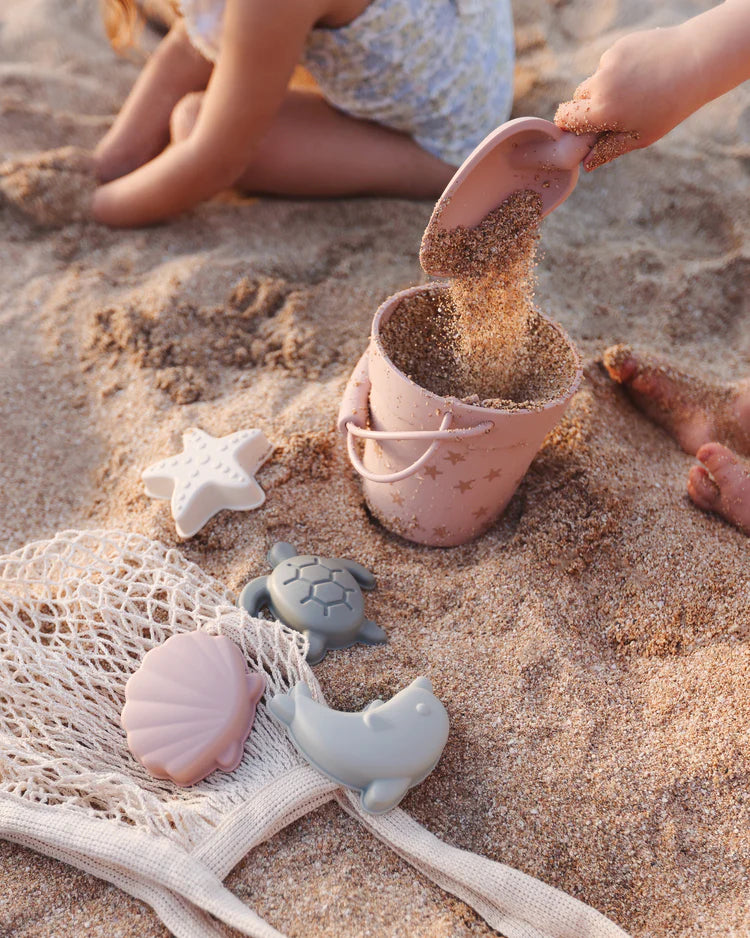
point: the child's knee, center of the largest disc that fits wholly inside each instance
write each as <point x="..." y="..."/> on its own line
<point x="184" y="115"/>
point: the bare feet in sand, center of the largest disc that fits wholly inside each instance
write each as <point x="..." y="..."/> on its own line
<point x="50" y="189"/>
<point x="722" y="484"/>
<point x="691" y="410"/>
<point x="705" y="419"/>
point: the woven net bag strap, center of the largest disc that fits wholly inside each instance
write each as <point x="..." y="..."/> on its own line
<point x="513" y="903"/>
<point x="180" y="917"/>
<point x="282" y="801"/>
<point x="175" y="884"/>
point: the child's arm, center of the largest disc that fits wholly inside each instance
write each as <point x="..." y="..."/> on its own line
<point x="260" y="45"/>
<point x="141" y="129"/>
<point x="650" y="81"/>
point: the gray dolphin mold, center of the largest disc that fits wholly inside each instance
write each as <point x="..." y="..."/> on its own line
<point x="382" y="751"/>
<point x="317" y="596"/>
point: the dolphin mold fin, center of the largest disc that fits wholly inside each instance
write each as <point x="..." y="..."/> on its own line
<point x="383" y="794"/>
<point x="282" y="707"/>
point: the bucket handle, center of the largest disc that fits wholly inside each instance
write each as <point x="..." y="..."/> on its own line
<point x="435" y="436"/>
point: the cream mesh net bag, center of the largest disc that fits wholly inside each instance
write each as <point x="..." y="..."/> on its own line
<point x="77" y="614"/>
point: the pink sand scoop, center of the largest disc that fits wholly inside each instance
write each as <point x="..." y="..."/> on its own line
<point x="526" y="153"/>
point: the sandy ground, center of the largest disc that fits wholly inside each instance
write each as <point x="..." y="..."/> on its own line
<point x="592" y="648"/>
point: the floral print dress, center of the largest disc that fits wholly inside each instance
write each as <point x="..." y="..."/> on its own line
<point x="438" y="70"/>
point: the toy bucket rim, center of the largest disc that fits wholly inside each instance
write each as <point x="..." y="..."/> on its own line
<point x="389" y="305"/>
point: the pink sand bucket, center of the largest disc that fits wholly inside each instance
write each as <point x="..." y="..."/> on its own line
<point x="436" y="470"/>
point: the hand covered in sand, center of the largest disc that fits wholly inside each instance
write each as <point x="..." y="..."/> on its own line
<point x="51" y="189"/>
<point x="650" y="81"/>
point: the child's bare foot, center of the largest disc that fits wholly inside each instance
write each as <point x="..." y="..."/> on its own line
<point x="693" y="411"/>
<point x="52" y="188"/>
<point x="722" y="484"/>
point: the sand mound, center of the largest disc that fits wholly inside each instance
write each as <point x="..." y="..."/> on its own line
<point x="52" y="189"/>
<point x="186" y="349"/>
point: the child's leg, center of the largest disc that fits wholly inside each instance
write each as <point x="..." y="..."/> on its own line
<point x="141" y="130"/>
<point x="312" y="149"/>
<point x="691" y="410"/>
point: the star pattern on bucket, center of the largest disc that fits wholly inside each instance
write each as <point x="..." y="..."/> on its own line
<point x="493" y="474"/>
<point x="480" y="512"/>
<point x="455" y="457"/>
<point x="465" y="485"/>
<point x="432" y="471"/>
<point x="440" y="532"/>
<point x="397" y="498"/>
<point x="211" y="473"/>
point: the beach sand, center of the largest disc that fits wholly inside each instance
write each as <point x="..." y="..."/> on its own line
<point x="593" y="649"/>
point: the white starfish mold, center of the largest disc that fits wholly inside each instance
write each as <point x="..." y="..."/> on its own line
<point x="210" y="474"/>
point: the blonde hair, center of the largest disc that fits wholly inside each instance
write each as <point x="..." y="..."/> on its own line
<point x="121" y="21"/>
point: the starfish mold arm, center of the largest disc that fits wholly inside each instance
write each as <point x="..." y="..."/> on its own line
<point x="158" y="480"/>
<point x="252" y="449"/>
<point x="190" y="519"/>
<point x="243" y="497"/>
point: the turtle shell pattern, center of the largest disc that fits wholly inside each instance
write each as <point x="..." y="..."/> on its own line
<point x="316" y="593"/>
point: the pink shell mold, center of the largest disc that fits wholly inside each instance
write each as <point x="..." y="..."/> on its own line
<point x="190" y="707"/>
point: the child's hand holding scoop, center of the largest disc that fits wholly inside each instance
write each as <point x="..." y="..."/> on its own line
<point x="650" y="81"/>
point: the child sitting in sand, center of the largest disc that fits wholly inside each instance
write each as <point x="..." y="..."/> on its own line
<point x="407" y="89"/>
<point x="645" y="85"/>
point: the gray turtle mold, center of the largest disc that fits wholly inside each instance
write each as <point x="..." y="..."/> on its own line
<point x="320" y="597"/>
